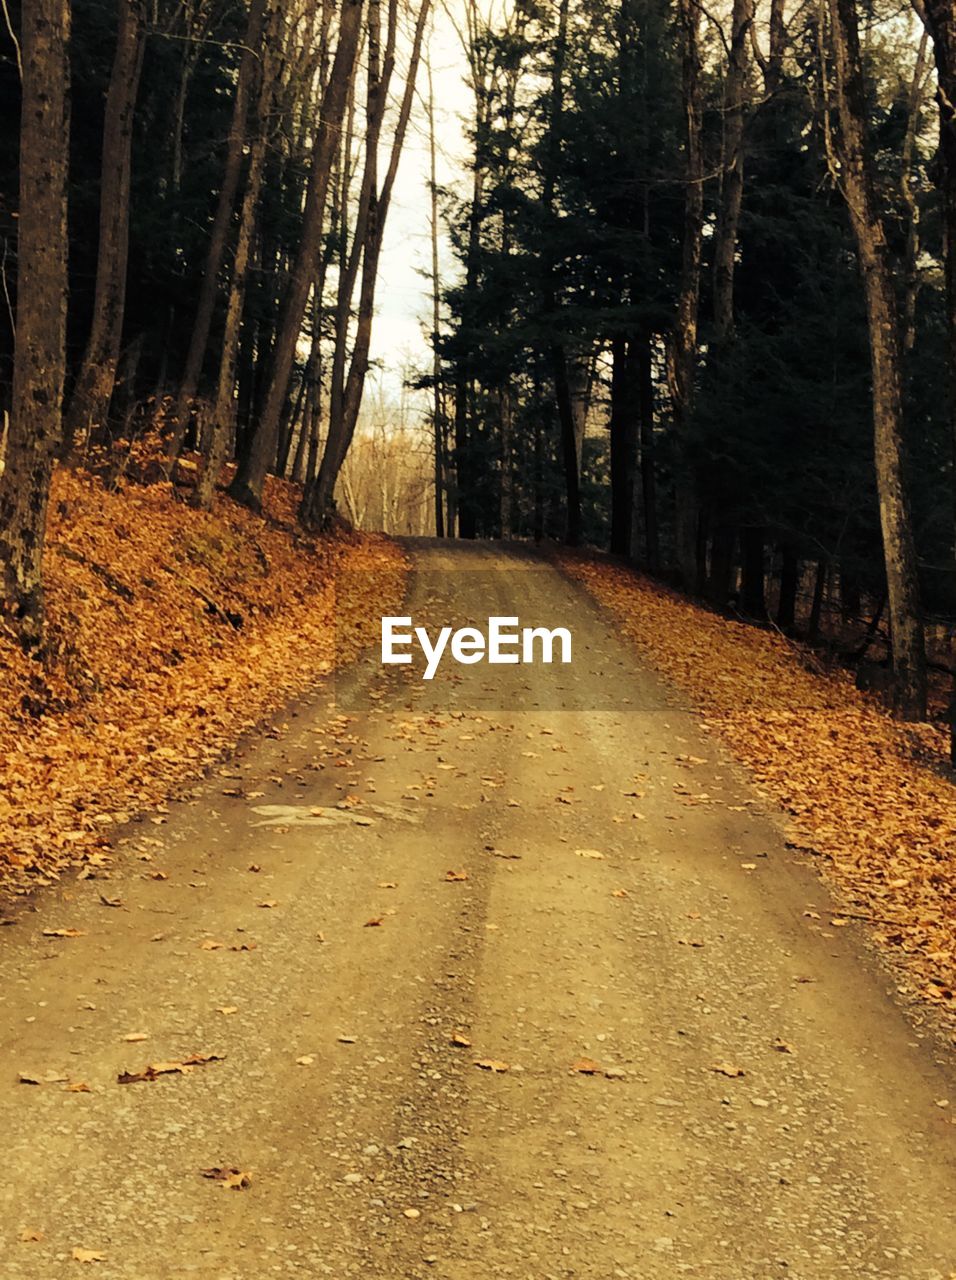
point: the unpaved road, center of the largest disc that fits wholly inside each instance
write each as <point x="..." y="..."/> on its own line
<point x="377" y="1148"/>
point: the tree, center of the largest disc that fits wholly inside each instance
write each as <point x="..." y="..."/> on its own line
<point x="250" y="476"/>
<point x="90" y="401"/>
<point x="682" y="350"/>
<point x="249" y="70"/>
<point x="317" y="503"/>
<point x="39" y="366"/>
<point x="854" y="173"/>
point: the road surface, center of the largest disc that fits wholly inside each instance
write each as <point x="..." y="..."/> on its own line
<point x="546" y="869"/>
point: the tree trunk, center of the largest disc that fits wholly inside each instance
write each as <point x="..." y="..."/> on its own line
<point x="258" y="23"/>
<point x="90" y="402"/>
<point x="899" y="551"/>
<point x="623" y="446"/>
<point x="35" y="424"/>
<point x="682" y="353"/>
<point x="569" y="450"/>
<point x="645" y="393"/>
<point x="438" y="399"/>
<point x="249" y="480"/>
<point x="732" y="169"/>
<point x="789" y="585"/>
<point x="753" y="602"/>
<point x="720" y="581"/>
<point x="819" y="596"/>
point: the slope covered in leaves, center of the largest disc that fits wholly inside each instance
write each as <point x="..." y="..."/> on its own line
<point x="171" y="632"/>
<point x="861" y="789"/>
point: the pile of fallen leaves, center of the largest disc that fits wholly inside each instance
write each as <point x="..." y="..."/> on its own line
<point x="862" y="789"/>
<point x="171" y="632"/>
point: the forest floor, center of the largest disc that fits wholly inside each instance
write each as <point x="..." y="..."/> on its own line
<point x="515" y="974"/>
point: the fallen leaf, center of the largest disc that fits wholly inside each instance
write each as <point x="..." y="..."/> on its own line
<point x="231" y="1179"/>
<point x="156" y="1069"/>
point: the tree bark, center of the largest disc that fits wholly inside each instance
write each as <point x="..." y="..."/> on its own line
<point x="249" y="480"/>
<point x="623" y="446"/>
<point x="35" y="424"/>
<point x="645" y="395"/>
<point x="753" y="601"/>
<point x="682" y="351"/>
<point x="789" y="585"/>
<point x="899" y="551"/>
<point x="90" y="402"/>
<point x="258" y="22"/>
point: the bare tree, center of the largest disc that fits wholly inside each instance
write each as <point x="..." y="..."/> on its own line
<point x="318" y="502"/>
<point x="223" y="414"/>
<point x="39" y="362"/>
<point x="209" y="289"/>
<point x="682" y="363"/>
<point x="250" y="476"/>
<point x="853" y="167"/>
<point x="90" y="402"/>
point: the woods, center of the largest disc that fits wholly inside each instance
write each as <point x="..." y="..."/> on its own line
<point x="692" y="299"/>
<point x="746" y="208"/>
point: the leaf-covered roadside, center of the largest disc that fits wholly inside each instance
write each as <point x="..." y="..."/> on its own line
<point x="171" y="632"/>
<point x="884" y="823"/>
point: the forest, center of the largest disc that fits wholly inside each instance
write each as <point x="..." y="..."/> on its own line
<point x="695" y="301"/>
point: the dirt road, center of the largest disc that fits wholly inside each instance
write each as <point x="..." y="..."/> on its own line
<point x="619" y="899"/>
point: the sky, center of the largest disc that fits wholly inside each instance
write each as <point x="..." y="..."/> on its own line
<point x="403" y="299"/>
